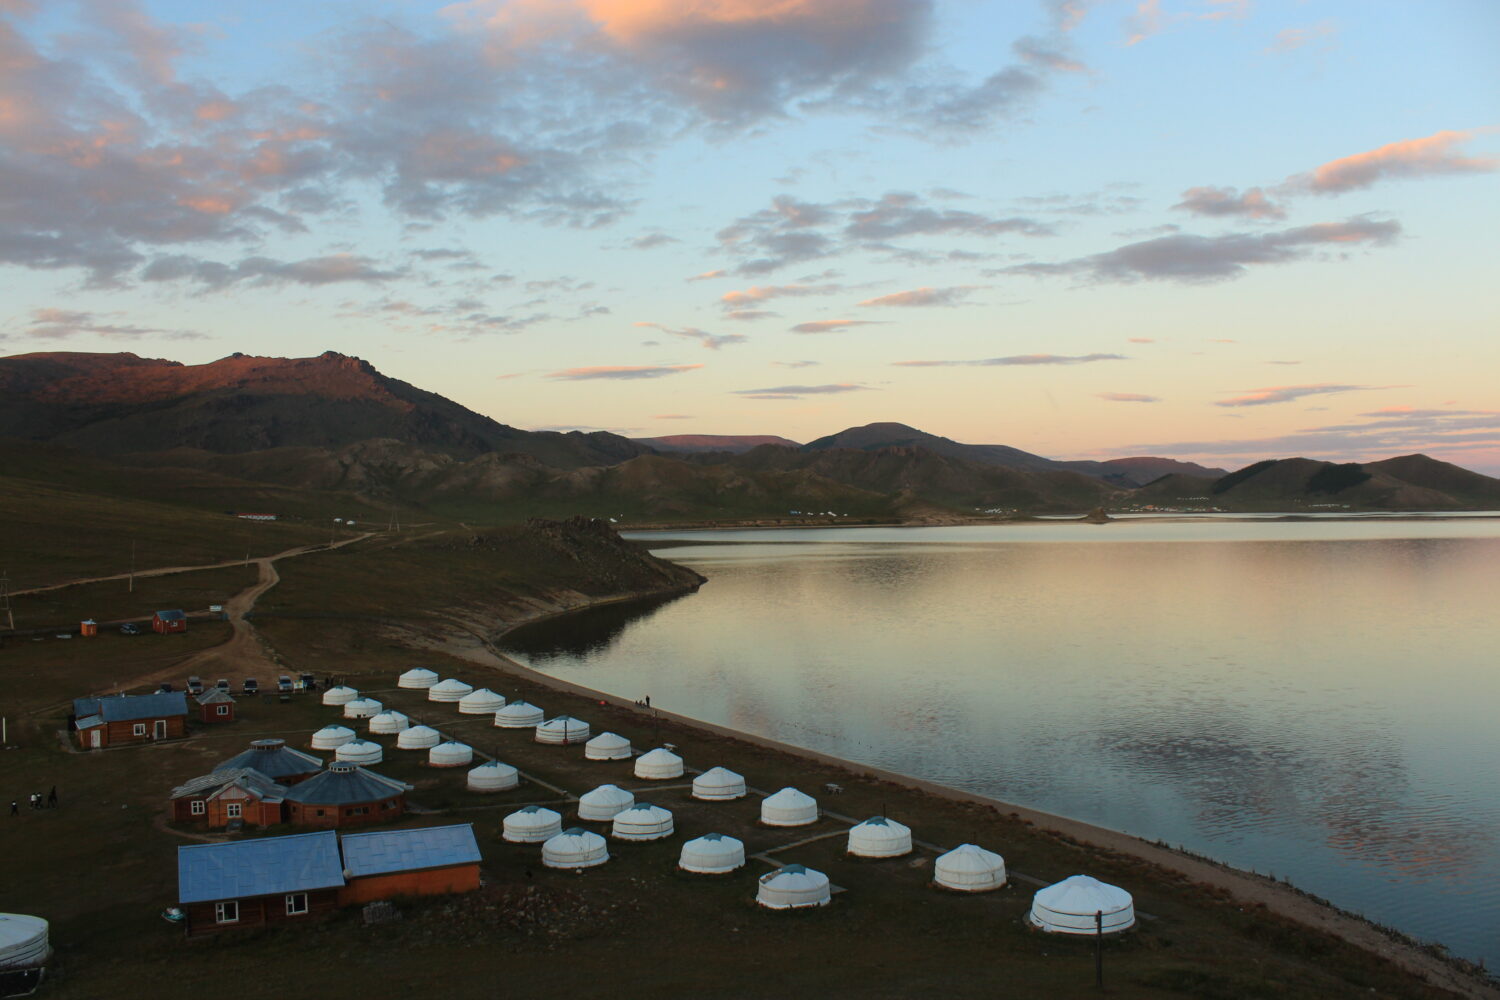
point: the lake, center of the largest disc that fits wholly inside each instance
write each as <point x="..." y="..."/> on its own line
<point x="1315" y="699"/>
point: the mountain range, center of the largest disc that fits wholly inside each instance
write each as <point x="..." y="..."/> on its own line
<point x="297" y="431"/>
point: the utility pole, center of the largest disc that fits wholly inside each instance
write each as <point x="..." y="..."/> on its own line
<point x="10" y="616"/>
<point x="132" y="565"/>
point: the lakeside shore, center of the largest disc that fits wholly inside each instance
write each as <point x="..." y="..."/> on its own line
<point x="478" y="644"/>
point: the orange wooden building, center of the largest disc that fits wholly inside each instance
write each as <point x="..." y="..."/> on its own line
<point x="123" y="719"/>
<point x="345" y="795"/>
<point x="428" y="861"/>
<point x="259" y="882"/>
<point x="218" y="799"/>
<point x="169" y="621"/>
<point x="215" y="705"/>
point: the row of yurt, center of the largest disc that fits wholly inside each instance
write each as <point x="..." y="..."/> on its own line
<point x="878" y="837"/>
<point x="340" y="695"/>
<point x="450" y="690"/>
<point x="417" y="679"/>
<point x="362" y="708"/>
<point x="658" y="765"/>
<point x="789" y="807"/>
<point x="575" y="848"/>
<point x="481" y="701"/>
<point x="604" y="803"/>
<point x="969" y="868"/>
<point x="23" y="941"/>
<point x="450" y="754"/>
<point x="493" y="777"/>
<point x="418" y="738"/>
<point x="607" y="746"/>
<point x="712" y="854"/>
<point x="332" y="737"/>
<point x="793" y="887"/>
<point x="531" y="825"/>
<point x="519" y="715"/>
<point x="719" y="784"/>
<point x="360" y="752"/>
<point x="388" y="723"/>
<point x="562" y="731"/>
<point x="1082" y="905"/>
<point x="642" y="822"/>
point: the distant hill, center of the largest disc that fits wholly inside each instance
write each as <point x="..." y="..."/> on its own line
<point x="872" y="437"/>
<point x="732" y="443"/>
<point x="1140" y="471"/>
<point x="112" y="404"/>
<point x="1410" y="482"/>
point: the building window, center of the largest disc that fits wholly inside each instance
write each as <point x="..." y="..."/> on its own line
<point x="319" y="812"/>
<point x="139" y="729"/>
<point x="227" y="913"/>
<point x="197" y="807"/>
<point x="296" y="903"/>
<point x="234" y="810"/>
<point x="222" y="709"/>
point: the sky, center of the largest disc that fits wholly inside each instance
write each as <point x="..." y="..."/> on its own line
<point x="1215" y="230"/>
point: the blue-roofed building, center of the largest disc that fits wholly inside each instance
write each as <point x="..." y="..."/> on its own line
<point x="129" y="718"/>
<point x="169" y="621"/>
<point x="255" y="883"/>
<point x="427" y="861"/>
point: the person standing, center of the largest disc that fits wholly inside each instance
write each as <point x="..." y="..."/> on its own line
<point x="15" y="807"/>
<point x="52" y="798"/>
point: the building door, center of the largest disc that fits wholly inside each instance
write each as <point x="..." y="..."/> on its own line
<point x="96" y="738"/>
<point x="159" y="730"/>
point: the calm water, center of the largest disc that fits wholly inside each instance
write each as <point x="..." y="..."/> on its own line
<point x="1312" y="699"/>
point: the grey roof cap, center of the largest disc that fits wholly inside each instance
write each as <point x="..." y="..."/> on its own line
<point x="261" y="867"/>
<point x="409" y="850"/>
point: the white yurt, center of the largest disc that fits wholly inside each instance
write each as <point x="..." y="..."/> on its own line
<point x="969" y="868"/>
<point x="388" y="723"/>
<point x="23" y="941"/>
<point x="562" y="730"/>
<point x="642" y="822"/>
<point x="418" y="738"/>
<point x="575" y="848"/>
<point x="793" y="887"/>
<point x="789" y="807"/>
<point x="1069" y="906"/>
<point x="332" y="737"/>
<point x="712" y="854"/>
<point x="658" y="765"/>
<point x="603" y="803"/>
<point x="878" y="837"/>
<point x="531" y="825"/>
<point x="448" y="690"/>
<point x="452" y="754"/>
<point x="607" y="746"/>
<point x="418" y="678"/>
<point x="493" y="777"/>
<point x="360" y="752"/>
<point x="718" y="784"/>
<point x="481" y="701"/>
<point x="362" y="708"/>
<point x="519" y="715"/>
<point x="339" y="695"/>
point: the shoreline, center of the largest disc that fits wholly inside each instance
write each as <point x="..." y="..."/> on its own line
<point x="478" y="645"/>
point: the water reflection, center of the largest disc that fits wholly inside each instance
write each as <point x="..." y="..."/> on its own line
<point x="1316" y="707"/>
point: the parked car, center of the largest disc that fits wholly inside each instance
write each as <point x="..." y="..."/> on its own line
<point x="165" y="687"/>
<point x="222" y="684"/>
<point x="195" y="686"/>
<point x="130" y="628"/>
<point x="307" y="682"/>
<point x="283" y="683"/>
<point x="252" y="686"/>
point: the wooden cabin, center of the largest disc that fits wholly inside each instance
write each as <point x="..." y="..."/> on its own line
<point x="120" y="720"/>
<point x="345" y="795"/>
<point x="169" y="621"/>
<point x="429" y="861"/>
<point x="218" y="799"/>
<point x="259" y="882"/>
<point x="216" y="705"/>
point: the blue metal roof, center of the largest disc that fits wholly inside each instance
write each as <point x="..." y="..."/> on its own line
<point x="261" y="867"/>
<point x="409" y="850"/>
<point x="170" y="616"/>
<point x="125" y="708"/>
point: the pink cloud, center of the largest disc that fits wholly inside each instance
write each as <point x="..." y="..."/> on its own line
<point x="830" y="325"/>
<point x="625" y="372"/>
<point x="1127" y="397"/>
<point x="1431" y="155"/>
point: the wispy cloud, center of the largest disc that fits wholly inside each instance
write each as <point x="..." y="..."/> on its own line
<point x="328" y="270"/>
<point x="707" y="275"/>
<point x="1127" y="397"/>
<point x="712" y="341"/>
<point x="1295" y="38"/>
<point x="620" y="372"/>
<point x="755" y="294"/>
<point x="1212" y="201"/>
<point x="1019" y="360"/>
<point x="1191" y="259"/>
<point x="1432" y="155"/>
<point x="1287" y="393"/>
<point x="924" y="296"/>
<point x="831" y="325"/>
<point x="795" y="364"/>
<point x="65" y="324"/>
<point x="799" y="391"/>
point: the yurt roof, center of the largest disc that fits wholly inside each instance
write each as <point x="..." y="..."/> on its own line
<point x="341" y="689"/>
<point x="788" y="797"/>
<point x="883" y="826"/>
<point x="1083" y="894"/>
<point x="497" y="767"/>
<point x="520" y="708"/>
<point x="421" y="732"/>
<point x="563" y="721"/>
<point x="482" y="694"/>
<point x="608" y="793"/>
<point x="419" y="673"/>
<point x="584" y="840"/>
<point x="647" y="811"/>
<point x="453" y="684"/>
<point x="20" y="928"/>
<point x="389" y="715"/>
<point x="608" y="741"/>
<point x="661" y="755"/>
<point x="274" y="759"/>
<point x="801" y="876"/>
<point x="535" y="816"/>
<point x="718" y="776"/>
<point x="330" y="731"/>
<point x="969" y="857"/>
<point x="345" y="784"/>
